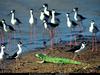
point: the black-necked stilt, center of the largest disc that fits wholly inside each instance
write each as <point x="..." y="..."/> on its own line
<point x="54" y="20"/>
<point x="43" y="16"/>
<point x="93" y="29"/>
<point x="77" y="49"/>
<point x="14" y="20"/>
<point x="71" y="24"/>
<point x="2" y="51"/>
<point x="1" y="32"/>
<point x="78" y="18"/>
<point x="50" y="27"/>
<point x="32" y="21"/>
<point x="46" y="11"/>
<point x="16" y="54"/>
<point x="7" y="28"/>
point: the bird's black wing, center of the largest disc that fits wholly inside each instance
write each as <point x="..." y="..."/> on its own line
<point x="56" y="14"/>
<point x="1" y="25"/>
<point x="13" y="56"/>
<point x="81" y="16"/>
<point x="11" y="28"/>
<point x="74" y="23"/>
<point x="74" y="49"/>
<point x="95" y="29"/>
<point x="18" y="20"/>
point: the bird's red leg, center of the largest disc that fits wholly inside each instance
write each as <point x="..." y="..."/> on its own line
<point x="2" y="36"/>
<point x="71" y="39"/>
<point x="51" y="36"/>
<point x="75" y="40"/>
<point x="31" y="33"/>
<point x="93" y="41"/>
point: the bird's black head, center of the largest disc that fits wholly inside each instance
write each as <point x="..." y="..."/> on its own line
<point x="75" y="9"/>
<point x="92" y="21"/>
<point x="3" y="20"/>
<point x="12" y="11"/>
<point x="84" y="42"/>
<point x="3" y="45"/>
<point x="20" y="42"/>
<point x="67" y="14"/>
<point x="31" y="9"/>
<point x="45" y="5"/>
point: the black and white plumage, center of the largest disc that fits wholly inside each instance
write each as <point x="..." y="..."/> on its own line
<point x="14" y="20"/>
<point x="79" y="48"/>
<point x="6" y="27"/>
<point x="77" y="16"/>
<point x="2" y="51"/>
<point x="70" y="23"/>
<point x="43" y="16"/>
<point x="93" y="28"/>
<point x="54" y="19"/>
<point x="48" y="25"/>
<point x="16" y="54"/>
<point x="46" y="11"/>
<point x="32" y="19"/>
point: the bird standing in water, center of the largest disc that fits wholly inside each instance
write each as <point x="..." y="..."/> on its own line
<point x="14" y="20"/>
<point x="78" y="18"/>
<point x="93" y="29"/>
<point x="71" y="24"/>
<point x="32" y="21"/>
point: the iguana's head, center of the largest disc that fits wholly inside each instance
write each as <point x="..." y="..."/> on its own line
<point x="39" y="55"/>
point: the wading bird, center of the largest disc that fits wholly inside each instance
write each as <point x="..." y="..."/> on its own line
<point x="78" y="18"/>
<point x="71" y="24"/>
<point x="93" y="29"/>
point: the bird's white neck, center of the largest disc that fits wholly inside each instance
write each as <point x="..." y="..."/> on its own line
<point x="42" y="16"/>
<point x="68" y="18"/>
<point x="75" y="15"/>
<point x="45" y="25"/>
<point x="13" y="16"/>
<point x="83" y="46"/>
<point x="4" y="27"/>
<point x="2" y="52"/>
<point x="53" y="18"/>
<point x="31" y="14"/>
<point x="92" y="24"/>
<point x="46" y="11"/>
<point x="20" y="49"/>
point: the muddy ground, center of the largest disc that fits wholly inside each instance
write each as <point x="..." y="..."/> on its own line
<point x="27" y="63"/>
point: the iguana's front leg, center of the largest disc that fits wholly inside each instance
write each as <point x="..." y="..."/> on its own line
<point x="42" y="61"/>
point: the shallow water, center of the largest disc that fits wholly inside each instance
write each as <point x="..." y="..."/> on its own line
<point x="88" y="8"/>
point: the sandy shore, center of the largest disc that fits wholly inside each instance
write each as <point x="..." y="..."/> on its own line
<point x="28" y="62"/>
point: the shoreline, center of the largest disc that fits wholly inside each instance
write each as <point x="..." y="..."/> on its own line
<point x="28" y="63"/>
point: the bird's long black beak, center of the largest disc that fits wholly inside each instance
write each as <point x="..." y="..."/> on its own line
<point x="71" y="11"/>
<point x="57" y="13"/>
<point x="40" y="8"/>
<point x="8" y="14"/>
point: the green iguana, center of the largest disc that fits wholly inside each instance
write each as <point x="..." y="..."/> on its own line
<point x="46" y="58"/>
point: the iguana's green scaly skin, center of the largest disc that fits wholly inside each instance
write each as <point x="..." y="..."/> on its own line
<point x="56" y="59"/>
